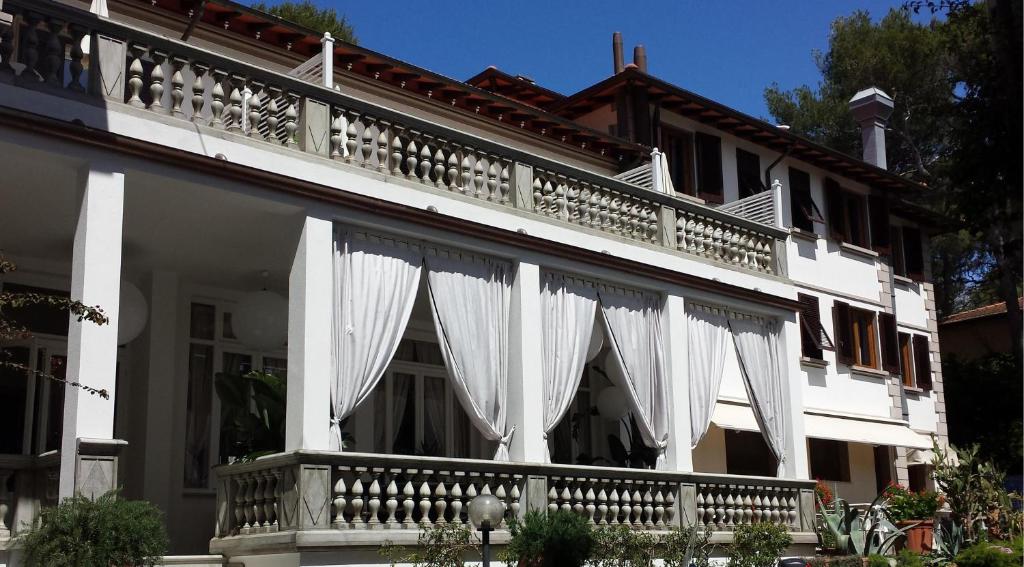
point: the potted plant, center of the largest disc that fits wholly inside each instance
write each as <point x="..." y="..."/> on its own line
<point x="106" y="531"/>
<point x="915" y="513"/>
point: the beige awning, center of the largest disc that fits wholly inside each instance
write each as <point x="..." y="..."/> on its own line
<point x="864" y="431"/>
<point x="732" y="416"/>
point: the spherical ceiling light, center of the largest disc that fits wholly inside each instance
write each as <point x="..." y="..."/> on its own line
<point x="132" y="313"/>
<point x="611" y="403"/>
<point x="260" y="320"/>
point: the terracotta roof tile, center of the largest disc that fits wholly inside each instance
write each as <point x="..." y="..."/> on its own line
<point x="986" y="311"/>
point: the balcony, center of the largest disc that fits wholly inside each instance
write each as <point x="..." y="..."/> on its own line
<point x="305" y="499"/>
<point x="128" y="68"/>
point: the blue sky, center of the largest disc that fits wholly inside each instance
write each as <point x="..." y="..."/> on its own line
<point x="725" y="50"/>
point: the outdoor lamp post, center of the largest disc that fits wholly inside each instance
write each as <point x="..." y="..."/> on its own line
<point x="486" y="512"/>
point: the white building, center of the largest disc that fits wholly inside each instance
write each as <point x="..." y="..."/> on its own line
<point x="486" y="261"/>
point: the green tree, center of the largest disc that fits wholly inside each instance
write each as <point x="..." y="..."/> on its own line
<point x="307" y="14"/>
<point x="956" y="84"/>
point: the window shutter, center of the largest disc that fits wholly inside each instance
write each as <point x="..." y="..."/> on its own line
<point x="810" y="321"/>
<point x="913" y="253"/>
<point x="748" y="173"/>
<point x="923" y="362"/>
<point x="878" y="212"/>
<point x="843" y="332"/>
<point x="834" y="206"/>
<point x="709" y="167"/>
<point x="890" y="343"/>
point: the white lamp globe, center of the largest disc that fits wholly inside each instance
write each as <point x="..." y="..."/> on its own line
<point x="486" y="512"/>
<point x="260" y="320"/>
<point x="132" y="313"/>
<point x="611" y="403"/>
<point x="596" y="342"/>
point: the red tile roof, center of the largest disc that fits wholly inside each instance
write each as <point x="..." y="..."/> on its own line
<point x="986" y="311"/>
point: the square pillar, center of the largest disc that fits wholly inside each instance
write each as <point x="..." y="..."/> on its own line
<point x="92" y="348"/>
<point x="679" y="455"/>
<point x="795" y="465"/>
<point x="162" y="375"/>
<point x="525" y="386"/>
<point x="310" y="305"/>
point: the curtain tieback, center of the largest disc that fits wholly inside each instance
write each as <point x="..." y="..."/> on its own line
<point x="506" y="440"/>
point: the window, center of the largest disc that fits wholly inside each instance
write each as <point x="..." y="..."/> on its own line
<point x="878" y="211"/>
<point x="813" y="338"/>
<point x="856" y="336"/>
<point x="906" y="360"/>
<point x="747" y="453"/>
<point x="748" y="173"/>
<point x="890" y="343"/>
<point x="830" y="460"/>
<point x="678" y="148"/>
<point x="709" y="167"/>
<point x="803" y="209"/>
<point x="907" y="253"/>
<point x="847" y="214"/>
<point x="922" y="362"/>
<point x="883" y="466"/>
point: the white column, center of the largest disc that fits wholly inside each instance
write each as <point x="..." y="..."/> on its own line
<point x="795" y="465"/>
<point x="162" y="376"/>
<point x="327" y="55"/>
<point x="679" y="454"/>
<point x="92" y="349"/>
<point x="310" y="300"/>
<point x="525" y="389"/>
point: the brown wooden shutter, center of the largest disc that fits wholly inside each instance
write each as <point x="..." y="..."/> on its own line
<point x="878" y="213"/>
<point x="913" y="253"/>
<point x="834" y="208"/>
<point x="810" y="323"/>
<point x="843" y="332"/>
<point x="709" y="167"/>
<point x="923" y="362"/>
<point x="890" y="343"/>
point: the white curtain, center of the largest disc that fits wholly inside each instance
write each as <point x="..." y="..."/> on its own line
<point x="757" y="346"/>
<point x="433" y="407"/>
<point x="375" y="285"/>
<point x="633" y="331"/>
<point x="568" y="307"/>
<point x="469" y="298"/>
<point x="707" y="339"/>
<point x="400" y="385"/>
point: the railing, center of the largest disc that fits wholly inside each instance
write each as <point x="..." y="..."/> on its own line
<point x="358" y="493"/>
<point x="760" y="207"/>
<point x="27" y="483"/>
<point x="42" y="50"/>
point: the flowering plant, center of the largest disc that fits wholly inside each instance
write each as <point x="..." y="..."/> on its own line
<point x="902" y="504"/>
<point x="824" y="492"/>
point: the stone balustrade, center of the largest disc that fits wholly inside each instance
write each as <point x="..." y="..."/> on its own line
<point x="134" y="68"/>
<point x="27" y="483"/>
<point x="356" y="495"/>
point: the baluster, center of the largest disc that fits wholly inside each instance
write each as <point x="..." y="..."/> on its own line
<point x="583" y="204"/>
<point x="273" y="110"/>
<point x="234" y="83"/>
<point x="670" y="506"/>
<point x="408" y="504"/>
<point x="396" y="150"/>
<point x="250" y="500"/>
<point x="456" y="505"/>
<point x="624" y="218"/>
<point x="466" y="174"/>
<point x="747" y="512"/>
<point x="217" y="94"/>
<point x="276" y="494"/>
<point x="613" y="507"/>
<point x="503" y="186"/>
<point x="775" y="506"/>
<point x="492" y="178"/>
<point x="709" y="237"/>
<point x="156" y="81"/>
<point x="424" y="504"/>
<point x="603" y="214"/>
<point x="591" y="507"/>
<point x="793" y="514"/>
<point x="29" y="52"/>
<point x="633" y="229"/>
<point x="759" y="252"/>
<point x="716" y="237"/>
<point x="602" y="507"/>
<point x="730" y="511"/>
<point x="337" y="137"/>
<point x="366" y="141"/>
<point x="594" y="209"/>
<point x="439" y="163"/>
<point x="758" y="503"/>
<point x="291" y="119"/>
<point x="453" y="168"/>
<point x="552" y="500"/>
<point x="614" y="215"/>
<point x="177" y="85"/>
<point x="565" y="497"/>
<point x="253" y="115"/>
<point x="638" y="509"/>
<point x="411" y="155"/>
<point x="720" y="507"/>
<point x="382" y="145"/>
<point x="649" y="509"/>
<point x="54" y="49"/>
<point x="440" y="505"/>
<point x="538" y="195"/>
<point x="351" y="145"/>
<point x="391" y="503"/>
<point x="577" y="499"/>
<point x="653" y="225"/>
<point x="75" y="66"/>
<point x="515" y="495"/>
<point x="373" y="506"/>
<point x="502" y="497"/>
<point x="135" y="71"/>
<point x="549" y="197"/>
<point x="239" y="504"/>
<point x="560" y="200"/>
<point x="768" y="258"/>
<point x="425" y="155"/>
<point x="357" y="502"/>
<point x="627" y="508"/>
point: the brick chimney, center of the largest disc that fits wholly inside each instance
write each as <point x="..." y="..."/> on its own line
<point x="871" y="108"/>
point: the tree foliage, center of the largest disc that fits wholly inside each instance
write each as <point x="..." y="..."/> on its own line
<point x="307" y="14"/>
<point x="956" y="126"/>
<point x="11" y="331"/>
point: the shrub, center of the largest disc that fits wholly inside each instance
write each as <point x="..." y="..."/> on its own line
<point x="101" y="532"/>
<point x="688" y="547"/>
<point x="908" y="558"/>
<point x="758" y="545"/>
<point x="988" y="555"/>
<point x="878" y="561"/>
<point x="442" y="545"/>
<point x="620" y="546"/>
<point x="562" y="538"/>
<point x="846" y="561"/>
<point x="902" y="505"/>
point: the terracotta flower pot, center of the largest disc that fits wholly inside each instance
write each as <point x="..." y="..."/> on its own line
<point x="919" y="537"/>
